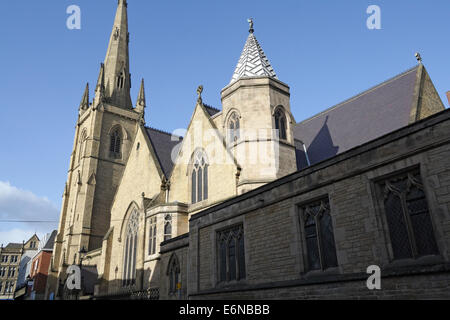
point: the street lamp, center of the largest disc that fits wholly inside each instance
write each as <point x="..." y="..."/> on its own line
<point x="82" y="253"/>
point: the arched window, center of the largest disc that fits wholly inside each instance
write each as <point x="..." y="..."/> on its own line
<point x="82" y="144"/>
<point x="120" y="81"/>
<point x="167" y="227"/>
<point x="319" y="236"/>
<point x="115" y="145"/>
<point x="199" y="177"/>
<point x="234" y="127"/>
<point x="152" y="237"/>
<point x="280" y="124"/>
<point x="173" y="271"/>
<point x="131" y="242"/>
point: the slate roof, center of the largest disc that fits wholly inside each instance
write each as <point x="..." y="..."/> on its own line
<point x="163" y="145"/>
<point x="253" y="62"/>
<point x="14" y="246"/>
<point x="51" y="241"/>
<point x="367" y="116"/>
<point x="211" y="110"/>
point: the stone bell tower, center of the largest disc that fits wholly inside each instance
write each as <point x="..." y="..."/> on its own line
<point x="257" y="119"/>
<point x="103" y="139"/>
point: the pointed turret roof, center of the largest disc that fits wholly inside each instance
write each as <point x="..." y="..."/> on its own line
<point x="141" y="96"/>
<point x="117" y="61"/>
<point x="253" y="61"/>
<point x="85" y="101"/>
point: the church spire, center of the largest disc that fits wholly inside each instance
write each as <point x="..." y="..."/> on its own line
<point x="253" y="62"/>
<point x="117" y="64"/>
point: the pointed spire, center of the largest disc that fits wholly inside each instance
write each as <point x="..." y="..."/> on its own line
<point x="253" y="61"/>
<point x="117" y="64"/>
<point x="141" y="104"/>
<point x="84" y="105"/>
<point x="100" y="88"/>
<point x="141" y="96"/>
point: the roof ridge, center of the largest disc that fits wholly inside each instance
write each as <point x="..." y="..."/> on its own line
<point x="163" y="132"/>
<point x="359" y="94"/>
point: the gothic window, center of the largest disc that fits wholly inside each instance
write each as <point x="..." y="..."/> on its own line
<point x="319" y="236"/>
<point x="81" y="151"/>
<point x="234" y="127"/>
<point x="231" y="254"/>
<point x="131" y="242"/>
<point x="120" y="81"/>
<point x="2" y="271"/>
<point x="167" y="227"/>
<point x="115" y="145"/>
<point x="152" y="237"/>
<point x="408" y="217"/>
<point x="199" y="177"/>
<point x="173" y="271"/>
<point x="4" y="259"/>
<point x="280" y="124"/>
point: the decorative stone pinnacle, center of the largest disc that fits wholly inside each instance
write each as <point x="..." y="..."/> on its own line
<point x="199" y="92"/>
<point x="418" y="57"/>
<point x="250" y="21"/>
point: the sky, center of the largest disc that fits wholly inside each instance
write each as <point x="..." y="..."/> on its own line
<point x="322" y="49"/>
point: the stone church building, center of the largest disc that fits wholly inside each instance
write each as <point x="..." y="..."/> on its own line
<point x="251" y="203"/>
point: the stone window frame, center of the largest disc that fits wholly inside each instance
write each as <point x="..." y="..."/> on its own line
<point x="197" y="156"/>
<point x="301" y="216"/>
<point x="152" y="235"/>
<point x="115" y="149"/>
<point x="229" y="282"/>
<point x="381" y="215"/>
<point x="4" y="258"/>
<point x="277" y="125"/>
<point x="168" y="227"/>
<point x="130" y="248"/>
<point x="233" y="134"/>
<point x="81" y="151"/>
<point x="174" y="275"/>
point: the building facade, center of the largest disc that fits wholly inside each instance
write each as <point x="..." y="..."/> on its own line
<point x="13" y="260"/>
<point x="250" y="203"/>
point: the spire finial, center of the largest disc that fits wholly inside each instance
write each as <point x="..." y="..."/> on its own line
<point x="199" y="92"/>
<point x="418" y="57"/>
<point x="250" y="22"/>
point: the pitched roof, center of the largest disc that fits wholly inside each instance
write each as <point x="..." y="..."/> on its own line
<point x="369" y="115"/>
<point x="14" y="246"/>
<point x="253" y="61"/>
<point x="163" y="145"/>
<point x="50" y="241"/>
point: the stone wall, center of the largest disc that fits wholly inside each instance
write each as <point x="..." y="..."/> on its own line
<point x="275" y="259"/>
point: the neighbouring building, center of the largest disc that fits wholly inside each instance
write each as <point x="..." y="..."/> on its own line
<point x="38" y="266"/>
<point x="251" y="203"/>
<point x="13" y="260"/>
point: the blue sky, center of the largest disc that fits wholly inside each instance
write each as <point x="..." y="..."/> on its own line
<point x="322" y="49"/>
